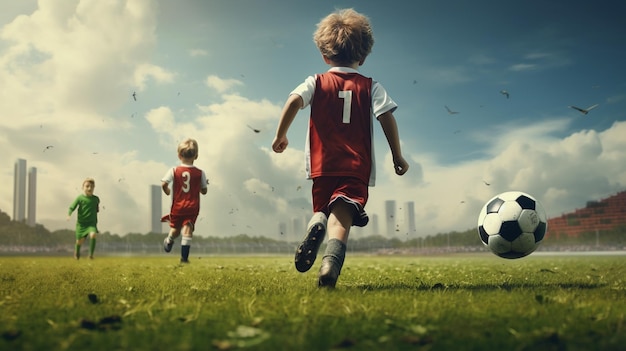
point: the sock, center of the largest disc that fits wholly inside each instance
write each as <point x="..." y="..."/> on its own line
<point x="170" y="239"/>
<point x="336" y="251"/>
<point x="184" y="248"/>
<point x="77" y="250"/>
<point x="92" y="246"/>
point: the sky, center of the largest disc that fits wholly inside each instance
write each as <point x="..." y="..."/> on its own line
<point x="216" y="70"/>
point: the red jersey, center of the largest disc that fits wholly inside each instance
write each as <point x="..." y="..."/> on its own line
<point x="186" y="183"/>
<point x="339" y="142"/>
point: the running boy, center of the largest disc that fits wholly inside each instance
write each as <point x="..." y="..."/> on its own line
<point x="188" y="182"/>
<point x="88" y="206"/>
<point x="339" y="151"/>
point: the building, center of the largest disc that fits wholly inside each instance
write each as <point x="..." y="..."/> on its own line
<point x="390" y="218"/>
<point x="606" y="214"/>
<point x="31" y="214"/>
<point x="19" y="190"/>
<point x="409" y="218"/>
<point x="156" y="226"/>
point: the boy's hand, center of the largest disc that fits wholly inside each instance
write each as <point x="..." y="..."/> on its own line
<point x="280" y="144"/>
<point x="400" y="166"/>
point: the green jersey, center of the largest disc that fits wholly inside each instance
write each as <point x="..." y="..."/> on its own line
<point x="87" y="213"/>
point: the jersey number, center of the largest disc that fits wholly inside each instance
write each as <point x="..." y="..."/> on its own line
<point x="186" y="180"/>
<point x="346" y="95"/>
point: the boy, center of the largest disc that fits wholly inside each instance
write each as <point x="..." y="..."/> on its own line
<point x="188" y="182"/>
<point x="88" y="206"/>
<point x="339" y="154"/>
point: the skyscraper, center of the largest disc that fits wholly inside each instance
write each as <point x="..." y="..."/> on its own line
<point x="156" y="226"/>
<point x="31" y="214"/>
<point x="19" y="190"/>
<point x="409" y="218"/>
<point x="390" y="218"/>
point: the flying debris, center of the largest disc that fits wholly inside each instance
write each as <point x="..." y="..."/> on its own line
<point x="505" y="93"/>
<point x="584" y="111"/>
<point x="254" y="129"/>
<point x="135" y="96"/>
<point x="450" y="111"/>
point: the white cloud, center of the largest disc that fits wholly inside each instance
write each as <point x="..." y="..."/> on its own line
<point x="523" y="67"/>
<point x="198" y="53"/>
<point x="222" y="85"/>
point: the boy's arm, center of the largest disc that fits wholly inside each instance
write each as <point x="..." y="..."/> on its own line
<point x="390" y="128"/>
<point x="290" y="110"/>
<point x="166" y="188"/>
<point x="205" y="184"/>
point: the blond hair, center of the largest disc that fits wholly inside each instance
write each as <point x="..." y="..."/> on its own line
<point x="90" y="181"/>
<point x="188" y="148"/>
<point x="345" y="36"/>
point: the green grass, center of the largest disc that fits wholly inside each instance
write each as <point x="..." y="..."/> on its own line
<point x="456" y="302"/>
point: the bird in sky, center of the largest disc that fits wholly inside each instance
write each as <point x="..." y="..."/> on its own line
<point x="135" y="96"/>
<point x="584" y="111"/>
<point x="505" y="93"/>
<point x="254" y="129"/>
<point x="48" y="148"/>
<point x="450" y="111"/>
<point x="487" y="184"/>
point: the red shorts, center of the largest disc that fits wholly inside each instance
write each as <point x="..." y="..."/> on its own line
<point x="327" y="190"/>
<point x="178" y="221"/>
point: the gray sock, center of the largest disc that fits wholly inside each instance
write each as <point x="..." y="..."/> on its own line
<point x="336" y="250"/>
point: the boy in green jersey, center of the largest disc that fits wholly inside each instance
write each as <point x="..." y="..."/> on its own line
<point x="87" y="217"/>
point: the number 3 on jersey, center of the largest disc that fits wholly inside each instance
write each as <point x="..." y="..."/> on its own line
<point x="346" y="95"/>
<point x="186" y="179"/>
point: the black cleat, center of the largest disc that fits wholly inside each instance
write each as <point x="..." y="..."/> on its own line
<point x="306" y="253"/>
<point x="167" y="245"/>
<point x="329" y="273"/>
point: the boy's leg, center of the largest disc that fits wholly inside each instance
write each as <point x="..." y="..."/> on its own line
<point x="92" y="244"/>
<point x="79" y="242"/>
<point x="306" y="253"/>
<point x="186" y="242"/>
<point x="339" y="223"/>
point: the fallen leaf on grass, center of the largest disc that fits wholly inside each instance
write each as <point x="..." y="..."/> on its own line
<point x="243" y="336"/>
<point x="10" y="335"/>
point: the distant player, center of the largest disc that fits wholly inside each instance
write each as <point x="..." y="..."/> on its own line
<point x="88" y="206"/>
<point x="187" y="182"/>
<point x="339" y="153"/>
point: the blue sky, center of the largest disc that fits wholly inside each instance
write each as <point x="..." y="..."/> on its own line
<point x="210" y="69"/>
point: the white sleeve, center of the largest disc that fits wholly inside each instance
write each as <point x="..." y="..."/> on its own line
<point x="169" y="176"/>
<point x="305" y="90"/>
<point x="381" y="101"/>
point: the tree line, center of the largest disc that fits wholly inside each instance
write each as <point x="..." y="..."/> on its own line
<point x="19" y="234"/>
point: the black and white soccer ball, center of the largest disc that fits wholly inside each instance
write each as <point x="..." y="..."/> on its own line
<point x="512" y="224"/>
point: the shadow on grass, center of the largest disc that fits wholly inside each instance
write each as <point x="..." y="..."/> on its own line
<point x="473" y="287"/>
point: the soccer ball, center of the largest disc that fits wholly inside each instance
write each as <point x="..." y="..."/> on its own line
<point x="512" y="224"/>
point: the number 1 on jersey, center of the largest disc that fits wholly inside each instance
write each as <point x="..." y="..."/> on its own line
<point x="346" y="95"/>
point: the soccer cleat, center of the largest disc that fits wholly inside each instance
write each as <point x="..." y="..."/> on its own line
<point x="329" y="273"/>
<point x="306" y="253"/>
<point x="183" y="261"/>
<point x="167" y="245"/>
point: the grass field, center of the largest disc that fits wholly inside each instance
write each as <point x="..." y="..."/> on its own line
<point x="455" y="302"/>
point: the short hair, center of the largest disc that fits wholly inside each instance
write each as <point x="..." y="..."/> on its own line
<point x="188" y="148"/>
<point x="345" y="36"/>
<point x="90" y="181"/>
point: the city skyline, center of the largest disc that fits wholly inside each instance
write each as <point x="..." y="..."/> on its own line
<point x="24" y="193"/>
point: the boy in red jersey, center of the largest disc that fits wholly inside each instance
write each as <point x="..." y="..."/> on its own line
<point x="188" y="182"/>
<point x="339" y="151"/>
